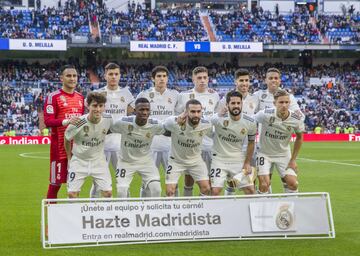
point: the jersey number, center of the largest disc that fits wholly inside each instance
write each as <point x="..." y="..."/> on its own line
<point x="120" y="173"/>
<point x="215" y="172"/>
<point x="71" y="176"/>
<point x="260" y="160"/>
<point x="168" y="169"/>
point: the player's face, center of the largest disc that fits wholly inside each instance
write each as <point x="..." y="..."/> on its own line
<point x="272" y="81"/>
<point x="242" y="84"/>
<point x="96" y="109"/>
<point x="160" y="80"/>
<point x="112" y="77"/>
<point x="194" y="114"/>
<point x="234" y="106"/>
<point x="282" y="104"/>
<point x="201" y="81"/>
<point x="69" y="78"/>
<point x="142" y="111"/>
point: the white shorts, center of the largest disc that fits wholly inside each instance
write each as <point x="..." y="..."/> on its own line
<point x="160" y="157"/>
<point x="125" y="172"/>
<point x="198" y="171"/>
<point x="221" y="171"/>
<point x="265" y="164"/>
<point x="112" y="157"/>
<point x="79" y="170"/>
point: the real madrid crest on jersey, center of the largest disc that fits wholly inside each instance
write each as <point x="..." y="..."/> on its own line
<point x="284" y="218"/>
<point x="243" y="131"/>
<point x="271" y="120"/>
<point x="201" y="133"/>
<point x="148" y="135"/>
<point x="86" y="130"/>
<point x="169" y="100"/>
<point x="104" y="131"/>
<point x="288" y="128"/>
<point x="130" y="129"/>
<point x="264" y="96"/>
<point x="63" y="99"/>
<point x="151" y="96"/>
<point x="192" y="96"/>
<point x="225" y="124"/>
<point x="211" y="102"/>
<point x="122" y="99"/>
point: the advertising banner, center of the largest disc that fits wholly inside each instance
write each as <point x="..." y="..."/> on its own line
<point x="37" y="45"/>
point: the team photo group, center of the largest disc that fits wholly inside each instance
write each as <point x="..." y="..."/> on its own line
<point x="211" y="141"/>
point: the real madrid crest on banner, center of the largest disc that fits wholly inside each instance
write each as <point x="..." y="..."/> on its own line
<point x="271" y="120"/>
<point x="284" y="218"/>
<point x="192" y="96"/>
<point x="130" y="129"/>
<point x="86" y="130"/>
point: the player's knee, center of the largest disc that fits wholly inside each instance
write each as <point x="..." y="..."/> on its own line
<point x="291" y="182"/>
<point x="73" y="194"/>
<point x="106" y="193"/>
<point x="264" y="187"/>
<point x="122" y="192"/>
<point x="153" y="188"/>
<point x="170" y="191"/>
<point x="249" y="190"/>
<point x="205" y="189"/>
<point x="216" y="191"/>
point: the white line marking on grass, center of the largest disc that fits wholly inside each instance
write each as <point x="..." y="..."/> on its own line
<point x="35" y="155"/>
<point x="328" y="162"/>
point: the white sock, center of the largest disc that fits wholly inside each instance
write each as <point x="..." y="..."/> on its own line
<point x="188" y="191"/>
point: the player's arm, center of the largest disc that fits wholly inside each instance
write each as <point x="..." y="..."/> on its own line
<point x="70" y="133"/>
<point x="297" y="145"/>
<point x="121" y="125"/>
<point x="249" y="154"/>
<point x="67" y="146"/>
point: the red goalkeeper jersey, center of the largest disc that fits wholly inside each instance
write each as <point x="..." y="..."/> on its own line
<point x="60" y="105"/>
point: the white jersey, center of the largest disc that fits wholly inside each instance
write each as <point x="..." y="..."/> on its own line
<point x="136" y="140"/>
<point x="276" y="133"/>
<point x="88" y="137"/>
<point x="264" y="99"/>
<point x="249" y="104"/>
<point x="186" y="141"/>
<point x="161" y="107"/>
<point x="209" y="102"/>
<point x="231" y="136"/>
<point x="116" y="105"/>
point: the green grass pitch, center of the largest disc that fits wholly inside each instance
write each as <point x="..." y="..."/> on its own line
<point x="24" y="183"/>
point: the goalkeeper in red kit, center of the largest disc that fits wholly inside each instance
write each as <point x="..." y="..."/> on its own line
<point x="62" y="107"/>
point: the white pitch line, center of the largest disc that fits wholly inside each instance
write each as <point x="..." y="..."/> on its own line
<point x="31" y="155"/>
<point x="328" y="162"/>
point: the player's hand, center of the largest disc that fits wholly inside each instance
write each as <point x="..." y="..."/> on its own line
<point x="181" y="119"/>
<point x="292" y="165"/>
<point x="223" y="111"/>
<point x="247" y="169"/>
<point x="74" y="120"/>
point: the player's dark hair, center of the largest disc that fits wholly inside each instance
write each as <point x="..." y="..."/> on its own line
<point x="98" y="97"/>
<point x="192" y="102"/>
<point x="157" y="69"/>
<point x="68" y="66"/>
<point x="141" y="100"/>
<point x="111" y="65"/>
<point x="279" y="93"/>
<point x="232" y="94"/>
<point x="199" y="69"/>
<point x="241" y="72"/>
<point x="273" y="70"/>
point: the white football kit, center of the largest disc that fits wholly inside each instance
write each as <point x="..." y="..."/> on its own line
<point x="88" y="158"/>
<point x="161" y="107"/>
<point x="209" y="102"/>
<point x="228" y="151"/>
<point x="135" y="154"/>
<point x="185" y="155"/>
<point x="274" y="144"/>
